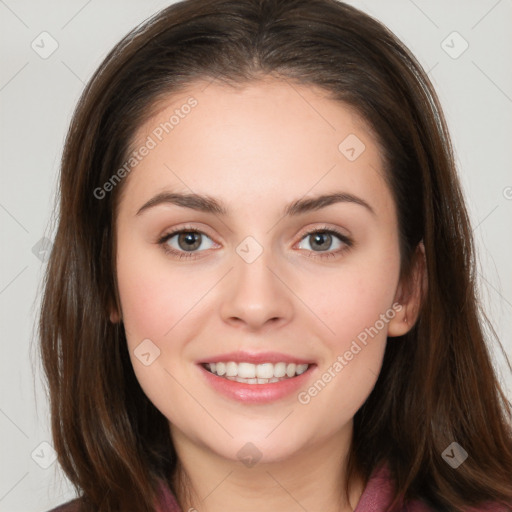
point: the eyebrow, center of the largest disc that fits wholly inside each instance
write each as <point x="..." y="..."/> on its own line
<point x="209" y="204"/>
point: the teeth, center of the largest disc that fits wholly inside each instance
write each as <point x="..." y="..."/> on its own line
<point x="301" y="368"/>
<point x="279" y="370"/>
<point x="246" y="370"/>
<point x="265" y="371"/>
<point x="256" y="373"/>
<point x="255" y="381"/>
<point x="231" y="369"/>
<point x="291" y="369"/>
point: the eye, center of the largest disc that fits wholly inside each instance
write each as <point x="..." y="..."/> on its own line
<point x="187" y="242"/>
<point x="327" y="241"/>
<point x="184" y="243"/>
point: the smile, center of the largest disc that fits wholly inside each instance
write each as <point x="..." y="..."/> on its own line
<point x="260" y="383"/>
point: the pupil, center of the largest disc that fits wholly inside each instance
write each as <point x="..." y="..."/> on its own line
<point x="323" y="240"/>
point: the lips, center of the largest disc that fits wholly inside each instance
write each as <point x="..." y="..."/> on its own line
<point x="292" y="373"/>
<point x="255" y="358"/>
<point x="256" y="393"/>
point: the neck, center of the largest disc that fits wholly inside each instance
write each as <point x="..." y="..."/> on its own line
<point x="312" y="479"/>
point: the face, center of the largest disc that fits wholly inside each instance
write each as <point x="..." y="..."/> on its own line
<point x="226" y="254"/>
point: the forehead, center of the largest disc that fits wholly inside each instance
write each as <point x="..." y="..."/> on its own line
<point x="269" y="140"/>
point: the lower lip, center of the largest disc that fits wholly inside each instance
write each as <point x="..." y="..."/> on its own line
<point x="257" y="393"/>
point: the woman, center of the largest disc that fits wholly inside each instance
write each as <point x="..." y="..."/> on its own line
<point x="261" y="293"/>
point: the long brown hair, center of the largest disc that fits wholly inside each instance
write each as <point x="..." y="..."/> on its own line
<point x="437" y="383"/>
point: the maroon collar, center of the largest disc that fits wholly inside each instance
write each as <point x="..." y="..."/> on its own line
<point x="378" y="494"/>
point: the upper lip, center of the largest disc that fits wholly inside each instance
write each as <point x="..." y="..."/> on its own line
<point x="255" y="358"/>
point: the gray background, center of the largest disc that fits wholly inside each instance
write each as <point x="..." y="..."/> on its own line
<point x="37" y="98"/>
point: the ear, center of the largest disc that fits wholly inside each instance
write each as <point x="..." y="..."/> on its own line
<point x="410" y="294"/>
<point x="115" y="315"/>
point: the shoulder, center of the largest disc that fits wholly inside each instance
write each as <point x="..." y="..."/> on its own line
<point x="70" y="506"/>
<point x="378" y="495"/>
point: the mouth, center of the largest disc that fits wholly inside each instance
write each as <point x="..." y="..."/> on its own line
<point x="250" y="373"/>
<point x="257" y="378"/>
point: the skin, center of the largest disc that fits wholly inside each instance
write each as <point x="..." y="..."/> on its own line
<point x="257" y="148"/>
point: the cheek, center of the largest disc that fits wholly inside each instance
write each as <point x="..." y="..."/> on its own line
<point x="353" y="298"/>
<point x="154" y="299"/>
<point x="154" y="305"/>
<point x="355" y="305"/>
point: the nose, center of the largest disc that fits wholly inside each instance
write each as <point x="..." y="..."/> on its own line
<point x="256" y="295"/>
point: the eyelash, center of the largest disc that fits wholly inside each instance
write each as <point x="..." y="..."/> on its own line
<point x="318" y="254"/>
